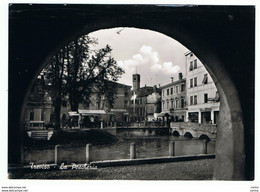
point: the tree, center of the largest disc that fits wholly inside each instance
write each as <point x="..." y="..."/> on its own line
<point x="76" y="72"/>
<point x="54" y="79"/>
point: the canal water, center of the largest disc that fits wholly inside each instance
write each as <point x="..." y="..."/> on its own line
<point x="146" y="147"/>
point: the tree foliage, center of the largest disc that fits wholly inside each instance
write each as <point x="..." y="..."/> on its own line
<point x="76" y="72"/>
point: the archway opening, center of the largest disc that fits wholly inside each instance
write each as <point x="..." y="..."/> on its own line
<point x="188" y="135"/>
<point x="231" y="125"/>
<point x="204" y="137"/>
<point x="176" y="133"/>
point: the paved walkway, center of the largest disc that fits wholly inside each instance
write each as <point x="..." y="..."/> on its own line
<point x="189" y="170"/>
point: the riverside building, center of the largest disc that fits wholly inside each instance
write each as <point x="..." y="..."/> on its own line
<point x="202" y="96"/>
<point x="174" y="99"/>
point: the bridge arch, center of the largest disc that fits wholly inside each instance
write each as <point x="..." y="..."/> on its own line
<point x="175" y="133"/>
<point x="188" y="135"/>
<point x="203" y="37"/>
<point x="204" y="137"/>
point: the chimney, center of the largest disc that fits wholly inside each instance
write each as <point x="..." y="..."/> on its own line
<point x="172" y="79"/>
<point x="154" y="88"/>
<point x="180" y="76"/>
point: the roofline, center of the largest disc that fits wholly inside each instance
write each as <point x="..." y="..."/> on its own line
<point x="173" y="83"/>
<point x="187" y="53"/>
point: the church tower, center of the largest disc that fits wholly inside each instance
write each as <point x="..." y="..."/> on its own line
<point x="136" y="81"/>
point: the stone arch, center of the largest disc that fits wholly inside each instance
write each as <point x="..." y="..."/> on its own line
<point x="175" y="133"/>
<point x="204" y="37"/>
<point x="204" y="137"/>
<point x="188" y="135"/>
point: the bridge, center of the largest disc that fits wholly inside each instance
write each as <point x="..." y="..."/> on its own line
<point x="196" y="130"/>
<point x="145" y="128"/>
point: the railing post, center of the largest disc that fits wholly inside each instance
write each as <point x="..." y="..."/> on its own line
<point x="88" y="153"/>
<point x="56" y="153"/>
<point x="205" y="146"/>
<point x="132" y="151"/>
<point x="171" y="148"/>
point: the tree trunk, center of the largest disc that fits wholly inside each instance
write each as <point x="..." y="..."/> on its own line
<point x="57" y="109"/>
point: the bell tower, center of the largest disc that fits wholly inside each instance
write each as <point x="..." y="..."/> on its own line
<point x="136" y="81"/>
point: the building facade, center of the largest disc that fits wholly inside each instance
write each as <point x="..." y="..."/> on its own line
<point x="138" y="101"/>
<point x="174" y="99"/>
<point x="39" y="105"/>
<point x="153" y="104"/>
<point x="100" y="110"/>
<point x="202" y="96"/>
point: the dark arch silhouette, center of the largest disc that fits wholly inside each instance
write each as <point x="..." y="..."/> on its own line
<point x="188" y="135"/>
<point x="204" y="137"/>
<point x="222" y="37"/>
<point x="176" y="133"/>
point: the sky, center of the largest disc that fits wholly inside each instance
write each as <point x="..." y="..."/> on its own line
<point x="155" y="56"/>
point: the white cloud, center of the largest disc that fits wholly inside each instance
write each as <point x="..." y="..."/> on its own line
<point x="147" y="61"/>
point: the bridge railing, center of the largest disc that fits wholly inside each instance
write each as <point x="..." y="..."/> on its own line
<point x="132" y="152"/>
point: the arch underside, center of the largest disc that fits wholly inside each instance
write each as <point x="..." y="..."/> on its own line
<point x="187" y="25"/>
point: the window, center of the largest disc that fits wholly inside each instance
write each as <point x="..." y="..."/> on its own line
<point x="171" y="91"/>
<point x="177" y="103"/>
<point x="191" y="82"/>
<point x="182" y="103"/>
<point x="195" y="63"/>
<point x="172" y="104"/>
<point x="167" y="91"/>
<point x="205" y="98"/>
<point x="31" y="116"/>
<point x="163" y="105"/>
<point x="141" y="101"/>
<point x="191" y="66"/>
<point x="182" y="87"/>
<point x="125" y="103"/>
<point x="167" y="105"/>
<point x="163" y="93"/>
<point x="191" y="100"/>
<point x="195" y="99"/>
<point x="205" y="79"/>
<point x="42" y="115"/>
<point x="195" y="82"/>
<point x="177" y="89"/>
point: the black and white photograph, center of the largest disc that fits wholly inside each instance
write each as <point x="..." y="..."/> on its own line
<point x="110" y="92"/>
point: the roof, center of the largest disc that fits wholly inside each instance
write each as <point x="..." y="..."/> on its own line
<point x="143" y="91"/>
<point x="173" y="83"/>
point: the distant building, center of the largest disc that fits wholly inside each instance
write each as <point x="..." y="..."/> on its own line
<point x="139" y="100"/>
<point x="39" y="104"/>
<point x="117" y="112"/>
<point x="202" y="96"/>
<point x="153" y="104"/>
<point x="174" y="99"/>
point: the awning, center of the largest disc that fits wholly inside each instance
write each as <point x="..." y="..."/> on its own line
<point x="163" y="114"/>
<point x="73" y="113"/>
<point x="118" y="110"/>
<point x="91" y="112"/>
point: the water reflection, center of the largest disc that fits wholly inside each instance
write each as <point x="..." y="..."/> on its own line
<point x="146" y="146"/>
